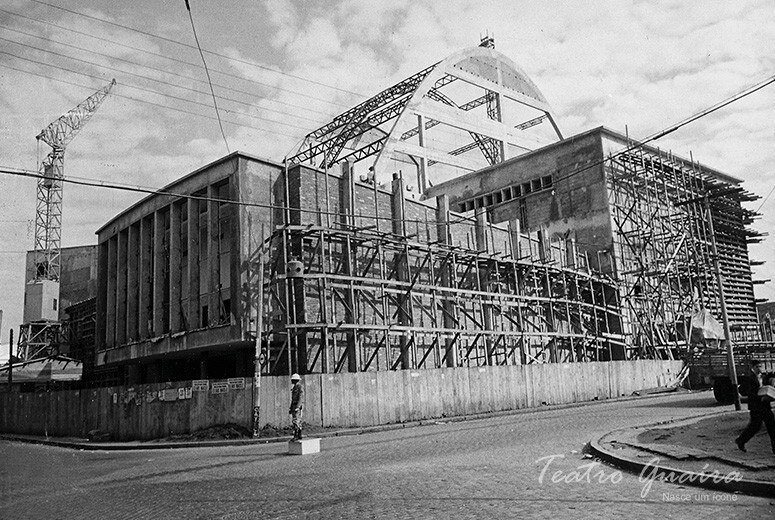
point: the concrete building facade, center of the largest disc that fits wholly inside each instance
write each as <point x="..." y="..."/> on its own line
<point x="172" y="279"/>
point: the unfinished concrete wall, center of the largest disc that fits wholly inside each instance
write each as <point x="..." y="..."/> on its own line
<point x="536" y="189"/>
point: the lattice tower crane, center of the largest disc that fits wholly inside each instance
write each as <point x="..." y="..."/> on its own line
<point x="41" y="332"/>
<point x="48" y="218"/>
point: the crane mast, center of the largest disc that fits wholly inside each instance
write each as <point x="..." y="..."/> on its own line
<point x="48" y="217"/>
<point x="41" y="332"/>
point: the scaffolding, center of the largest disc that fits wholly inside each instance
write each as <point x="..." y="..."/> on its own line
<point x="366" y="292"/>
<point x="667" y="215"/>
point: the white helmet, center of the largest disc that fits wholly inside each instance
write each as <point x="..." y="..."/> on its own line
<point x="295" y="377"/>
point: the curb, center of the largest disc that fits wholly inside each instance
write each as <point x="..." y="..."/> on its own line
<point x="679" y="476"/>
<point x="129" y="446"/>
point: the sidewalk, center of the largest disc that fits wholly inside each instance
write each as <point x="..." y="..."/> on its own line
<point x="699" y="452"/>
<point x="318" y="432"/>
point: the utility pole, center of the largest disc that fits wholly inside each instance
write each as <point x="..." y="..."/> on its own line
<point x="705" y="199"/>
<point x="722" y="300"/>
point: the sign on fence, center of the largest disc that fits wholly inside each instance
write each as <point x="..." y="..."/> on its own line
<point x="236" y="383"/>
<point x="200" y="385"/>
<point x="219" y="387"/>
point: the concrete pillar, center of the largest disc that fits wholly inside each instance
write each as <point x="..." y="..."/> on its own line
<point x="145" y="278"/>
<point x="159" y="259"/>
<point x="449" y="311"/>
<point x="213" y="261"/>
<point x="175" y="268"/>
<point x="347" y="211"/>
<point x="110" y="306"/>
<point x="515" y="232"/>
<point x="121" y="286"/>
<point x="398" y="215"/>
<point x="570" y="252"/>
<point x="422" y="168"/>
<point x="133" y="293"/>
<point x="192" y="268"/>
<point x="482" y="244"/>
<point x="102" y="295"/>
<point x="480" y="229"/>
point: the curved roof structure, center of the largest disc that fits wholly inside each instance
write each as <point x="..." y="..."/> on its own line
<point x="468" y="111"/>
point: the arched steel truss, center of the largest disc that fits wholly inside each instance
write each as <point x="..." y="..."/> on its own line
<point x="392" y="125"/>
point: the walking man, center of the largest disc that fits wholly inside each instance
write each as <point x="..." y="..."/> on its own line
<point x="297" y="403"/>
<point x="758" y="408"/>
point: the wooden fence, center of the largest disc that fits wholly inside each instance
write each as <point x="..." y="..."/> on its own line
<point x="331" y="400"/>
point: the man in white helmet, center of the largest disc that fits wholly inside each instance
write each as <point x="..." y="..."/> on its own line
<point x="297" y="402"/>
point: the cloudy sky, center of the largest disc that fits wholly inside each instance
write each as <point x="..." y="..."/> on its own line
<point x="283" y="67"/>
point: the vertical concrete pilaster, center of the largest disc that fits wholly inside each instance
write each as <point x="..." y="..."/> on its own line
<point x="110" y="305"/>
<point x="193" y="263"/>
<point x="102" y="296"/>
<point x="213" y="263"/>
<point x="398" y="215"/>
<point x="347" y="214"/>
<point x="482" y="244"/>
<point x="133" y="262"/>
<point x="448" y="300"/>
<point x="122" y="255"/>
<point x="145" y="278"/>
<point x="159" y="259"/>
<point x="422" y="168"/>
<point x="175" y="269"/>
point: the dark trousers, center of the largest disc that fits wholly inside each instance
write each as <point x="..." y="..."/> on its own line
<point x="759" y="416"/>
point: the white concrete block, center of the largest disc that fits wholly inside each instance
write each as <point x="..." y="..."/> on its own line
<point x="304" y="447"/>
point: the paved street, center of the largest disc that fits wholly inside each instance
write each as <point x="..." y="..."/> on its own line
<point x="479" y="469"/>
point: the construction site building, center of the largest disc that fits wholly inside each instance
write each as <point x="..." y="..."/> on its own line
<point x="172" y="276"/>
<point x="646" y="218"/>
<point x="444" y="222"/>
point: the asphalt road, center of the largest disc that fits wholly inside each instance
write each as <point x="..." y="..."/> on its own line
<point x="489" y="468"/>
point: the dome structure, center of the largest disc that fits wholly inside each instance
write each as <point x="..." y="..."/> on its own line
<point x="473" y="109"/>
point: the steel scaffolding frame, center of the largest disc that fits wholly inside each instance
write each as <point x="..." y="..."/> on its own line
<point x="356" y="299"/>
<point x="661" y="208"/>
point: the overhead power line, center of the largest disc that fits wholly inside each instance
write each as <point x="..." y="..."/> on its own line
<point x="170" y="40"/>
<point x="170" y="72"/>
<point x="159" y="105"/>
<point x="177" y="60"/>
<point x="669" y="130"/>
<point x="100" y="184"/>
<point x="151" y="91"/>
<point x="209" y="81"/>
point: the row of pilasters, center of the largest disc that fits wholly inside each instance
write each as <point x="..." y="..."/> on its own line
<point x="142" y="273"/>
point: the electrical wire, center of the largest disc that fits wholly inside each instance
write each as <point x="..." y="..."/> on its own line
<point x="156" y="92"/>
<point x="209" y="81"/>
<point x="94" y="183"/>
<point x="707" y="111"/>
<point x="177" y="60"/>
<point x="167" y="83"/>
<point x="765" y="199"/>
<point x="170" y="40"/>
<point x="159" y="105"/>
<point x="163" y="71"/>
